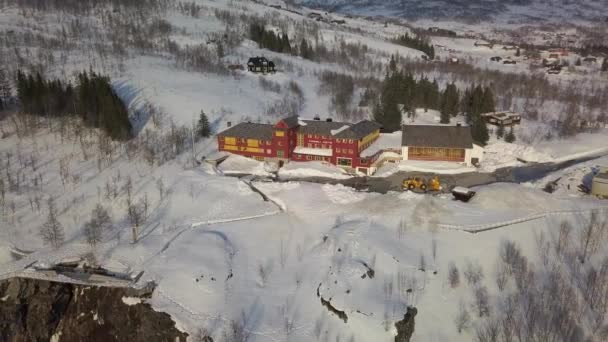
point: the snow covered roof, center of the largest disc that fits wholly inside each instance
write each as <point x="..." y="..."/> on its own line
<point x="437" y="136"/>
<point x="384" y="141"/>
<point x="337" y="131"/>
<point x="341" y="130"/>
<point x="324" y="152"/>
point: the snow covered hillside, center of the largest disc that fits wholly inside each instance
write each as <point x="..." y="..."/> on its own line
<point x="241" y="259"/>
<point x="514" y="10"/>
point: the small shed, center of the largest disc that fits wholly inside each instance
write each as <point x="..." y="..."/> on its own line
<point x="599" y="186"/>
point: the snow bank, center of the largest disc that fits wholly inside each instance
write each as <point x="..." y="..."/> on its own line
<point x="445" y="168"/>
<point x="236" y="164"/>
<point x="312" y="169"/>
<point x="340" y="194"/>
<point x="501" y="154"/>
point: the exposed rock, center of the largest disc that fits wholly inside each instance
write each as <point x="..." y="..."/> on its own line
<point x="341" y="314"/>
<point x="405" y="327"/>
<point x="37" y="310"/>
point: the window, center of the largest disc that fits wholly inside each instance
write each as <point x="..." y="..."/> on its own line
<point x="280" y="154"/>
<point x="308" y="158"/>
<point x="268" y="151"/>
<point x="279" y="133"/>
<point x="345" y="162"/>
<point x="338" y="141"/>
<point x="253" y="143"/>
<point x="337" y="150"/>
<point x="230" y="141"/>
<point x="350" y="151"/>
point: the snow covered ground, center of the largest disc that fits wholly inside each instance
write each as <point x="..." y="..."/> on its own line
<point x="219" y="252"/>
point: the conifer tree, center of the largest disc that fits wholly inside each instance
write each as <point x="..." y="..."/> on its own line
<point x="510" y="137"/>
<point x="480" y="131"/>
<point x="605" y="64"/>
<point x="203" y="128"/>
<point x="450" y="101"/>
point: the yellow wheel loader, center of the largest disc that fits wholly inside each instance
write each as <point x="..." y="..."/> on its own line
<point x="420" y="185"/>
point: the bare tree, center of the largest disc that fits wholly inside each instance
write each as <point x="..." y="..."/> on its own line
<point x="473" y="273"/>
<point x="100" y="221"/>
<point x="162" y="191"/>
<point x="482" y="301"/>
<point x="462" y="318"/>
<point x="453" y="275"/>
<point x="52" y="230"/>
<point x="592" y="235"/>
<point x="422" y="263"/>
<point x="136" y="216"/>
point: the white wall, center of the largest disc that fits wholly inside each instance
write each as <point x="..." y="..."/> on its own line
<point x="404" y="153"/>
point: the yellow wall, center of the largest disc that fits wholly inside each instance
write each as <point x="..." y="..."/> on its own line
<point x="230" y="141"/>
<point x="369" y="138"/>
<point x="253" y="143"/>
<point x="230" y="148"/>
<point x="280" y="133"/>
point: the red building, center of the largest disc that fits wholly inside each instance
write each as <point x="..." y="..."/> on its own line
<point x="338" y="143"/>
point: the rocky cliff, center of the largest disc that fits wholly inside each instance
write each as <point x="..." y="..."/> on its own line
<point x="37" y="310"/>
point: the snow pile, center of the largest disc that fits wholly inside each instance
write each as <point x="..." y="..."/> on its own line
<point x="340" y="194"/>
<point x="445" y="168"/>
<point x="501" y="154"/>
<point x="236" y="164"/>
<point x="131" y="300"/>
<point x="312" y="169"/>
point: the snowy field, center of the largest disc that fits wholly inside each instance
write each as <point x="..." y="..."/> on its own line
<point x="221" y="252"/>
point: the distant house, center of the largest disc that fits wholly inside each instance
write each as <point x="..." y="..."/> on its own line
<point x="453" y="60"/>
<point x="590" y="60"/>
<point x="486" y="44"/>
<point x="496" y="59"/>
<point x="509" y="61"/>
<point x="502" y="118"/>
<point x="260" y="64"/>
<point x="338" y="21"/>
<point x="440" y="143"/>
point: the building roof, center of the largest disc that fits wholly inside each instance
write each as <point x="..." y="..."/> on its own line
<point x="259" y="61"/>
<point x="359" y="130"/>
<point x="602" y="176"/>
<point x="437" y="136"/>
<point x="291" y="121"/>
<point x="340" y="130"/>
<point x="248" y="130"/>
<point x="319" y="127"/>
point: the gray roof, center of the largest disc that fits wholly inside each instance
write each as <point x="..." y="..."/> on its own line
<point x="321" y="127"/>
<point x="354" y="131"/>
<point x="291" y="121"/>
<point x="437" y="136"/>
<point x="248" y="130"/>
<point x="359" y="130"/>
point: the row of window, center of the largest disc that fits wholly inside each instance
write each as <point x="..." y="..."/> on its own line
<point x="344" y="150"/>
<point x="323" y="137"/>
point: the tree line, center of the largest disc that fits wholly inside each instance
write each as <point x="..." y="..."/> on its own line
<point x="420" y="43"/>
<point x="401" y="92"/>
<point x="267" y="39"/>
<point x="92" y="99"/>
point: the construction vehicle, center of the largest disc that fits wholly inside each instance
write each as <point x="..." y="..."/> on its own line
<point x="420" y="184"/>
